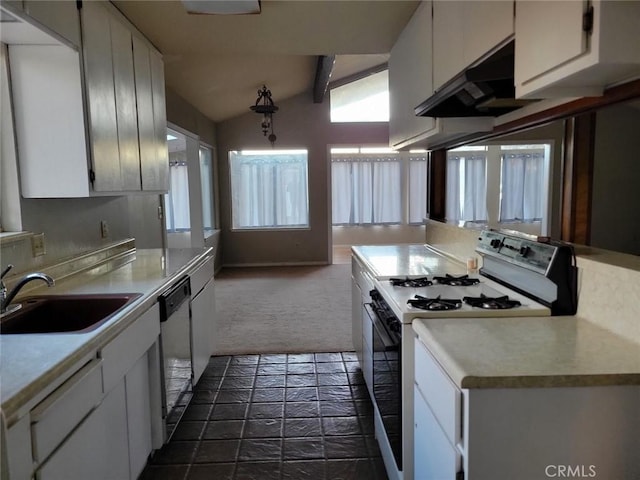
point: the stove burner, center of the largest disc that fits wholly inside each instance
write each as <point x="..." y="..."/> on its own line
<point x="497" y="303"/>
<point x="462" y="281"/>
<point x="411" y="282"/>
<point x="435" y="304"/>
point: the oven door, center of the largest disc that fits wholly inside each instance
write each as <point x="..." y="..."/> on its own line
<point x="387" y="386"/>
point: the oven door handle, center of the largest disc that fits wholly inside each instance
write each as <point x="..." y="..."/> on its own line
<point x="387" y="341"/>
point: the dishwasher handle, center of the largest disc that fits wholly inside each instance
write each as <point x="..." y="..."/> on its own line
<point x="173" y="298"/>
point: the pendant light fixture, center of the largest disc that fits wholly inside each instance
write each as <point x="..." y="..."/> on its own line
<point x="264" y="105"/>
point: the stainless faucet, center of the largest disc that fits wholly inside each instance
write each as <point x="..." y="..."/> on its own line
<point x="6" y="298"/>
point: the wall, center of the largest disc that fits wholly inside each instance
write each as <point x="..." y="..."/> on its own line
<point x="616" y="180"/>
<point x="298" y="124"/>
<point x="143" y="210"/>
<point x="71" y="226"/>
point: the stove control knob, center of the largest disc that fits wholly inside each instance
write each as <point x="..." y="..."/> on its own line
<point x="524" y="251"/>
<point x="495" y="243"/>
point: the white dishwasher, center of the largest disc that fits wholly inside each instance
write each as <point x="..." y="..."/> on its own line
<point x="175" y="347"/>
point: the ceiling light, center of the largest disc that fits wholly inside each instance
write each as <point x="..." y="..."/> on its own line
<point x="264" y="106"/>
<point x="222" y="7"/>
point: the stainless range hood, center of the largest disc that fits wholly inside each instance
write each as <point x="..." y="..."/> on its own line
<point x="483" y="90"/>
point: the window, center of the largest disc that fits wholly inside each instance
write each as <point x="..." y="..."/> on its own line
<point x="466" y="185"/>
<point x="206" y="183"/>
<point x="364" y="100"/>
<point x="502" y="186"/>
<point x="176" y="200"/>
<point x="269" y="189"/>
<point x="523" y="181"/>
<point x="418" y="178"/>
<point x="367" y="186"/>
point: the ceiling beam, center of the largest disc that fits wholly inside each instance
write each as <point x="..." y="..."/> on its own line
<point x="323" y="74"/>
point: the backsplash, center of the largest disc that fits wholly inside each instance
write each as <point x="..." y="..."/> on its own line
<point x="608" y="293"/>
<point x="459" y="242"/>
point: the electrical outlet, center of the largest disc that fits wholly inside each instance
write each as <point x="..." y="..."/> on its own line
<point x="104" y="229"/>
<point x="37" y="245"/>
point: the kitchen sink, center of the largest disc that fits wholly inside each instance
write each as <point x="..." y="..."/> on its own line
<point x="64" y="313"/>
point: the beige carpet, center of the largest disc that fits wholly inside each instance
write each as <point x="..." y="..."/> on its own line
<point x="283" y="309"/>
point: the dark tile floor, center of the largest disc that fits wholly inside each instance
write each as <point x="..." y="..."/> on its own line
<point x="263" y="417"/>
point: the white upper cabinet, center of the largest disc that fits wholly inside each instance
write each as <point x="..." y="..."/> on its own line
<point x="110" y="94"/>
<point x="101" y="98"/>
<point x="126" y="114"/>
<point x="411" y="82"/>
<point x="448" y="56"/>
<point x="410" y="79"/>
<point x="155" y="176"/>
<point x="61" y="17"/>
<point x="464" y="31"/>
<point x="125" y="91"/>
<point x="568" y="48"/>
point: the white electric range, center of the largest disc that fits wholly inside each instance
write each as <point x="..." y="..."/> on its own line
<point x="520" y="277"/>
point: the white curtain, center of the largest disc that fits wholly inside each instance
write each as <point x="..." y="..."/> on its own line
<point x="522" y="187"/>
<point x="206" y="184"/>
<point x="366" y="189"/>
<point x="269" y="190"/>
<point x="417" y="189"/>
<point x="466" y="188"/>
<point x="177" y="199"/>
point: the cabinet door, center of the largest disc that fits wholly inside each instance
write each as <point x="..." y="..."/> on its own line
<point x="100" y="86"/>
<point x="60" y="16"/>
<point x="138" y="415"/>
<point x="548" y="34"/>
<point x="434" y="457"/>
<point x="98" y="448"/>
<point x="485" y="25"/>
<point x="202" y="320"/>
<point x="155" y="176"/>
<point x="410" y="78"/>
<point x="125" y="94"/>
<point x="144" y="96"/>
<point x="448" y="43"/>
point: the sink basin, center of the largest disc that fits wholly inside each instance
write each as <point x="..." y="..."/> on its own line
<point x="64" y="313"/>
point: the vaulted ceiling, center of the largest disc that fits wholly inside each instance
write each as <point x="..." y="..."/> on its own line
<point x="219" y="62"/>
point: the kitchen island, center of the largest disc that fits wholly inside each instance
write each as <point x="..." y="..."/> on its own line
<point x="522" y="397"/>
<point x="42" y="373"/>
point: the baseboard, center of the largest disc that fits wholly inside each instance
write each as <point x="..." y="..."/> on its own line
<point x="274" y="264"/>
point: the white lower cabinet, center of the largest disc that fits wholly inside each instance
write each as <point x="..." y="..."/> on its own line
<point x="102" y="421"/>
<point x="521" y="433"/>
<point x="139" y="414"/>
<point x="434" y="457"/>
<point x="97" y="449"/>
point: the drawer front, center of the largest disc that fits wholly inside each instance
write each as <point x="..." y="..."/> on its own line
<point x="201" y="276"/>
<point x="434" y="457"/>
<point x="441" y="394"/>
<point x="59" y="413"/>
<point x="123" y="352"/>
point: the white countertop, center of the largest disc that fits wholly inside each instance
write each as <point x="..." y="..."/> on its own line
<point x="529" y="352"/>
<point x="407" y="259"/>
<point x="30" y="362"/>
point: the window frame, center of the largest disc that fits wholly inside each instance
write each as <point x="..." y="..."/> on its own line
<point x="404" y="158"/>
<point x="269" y="228"/>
